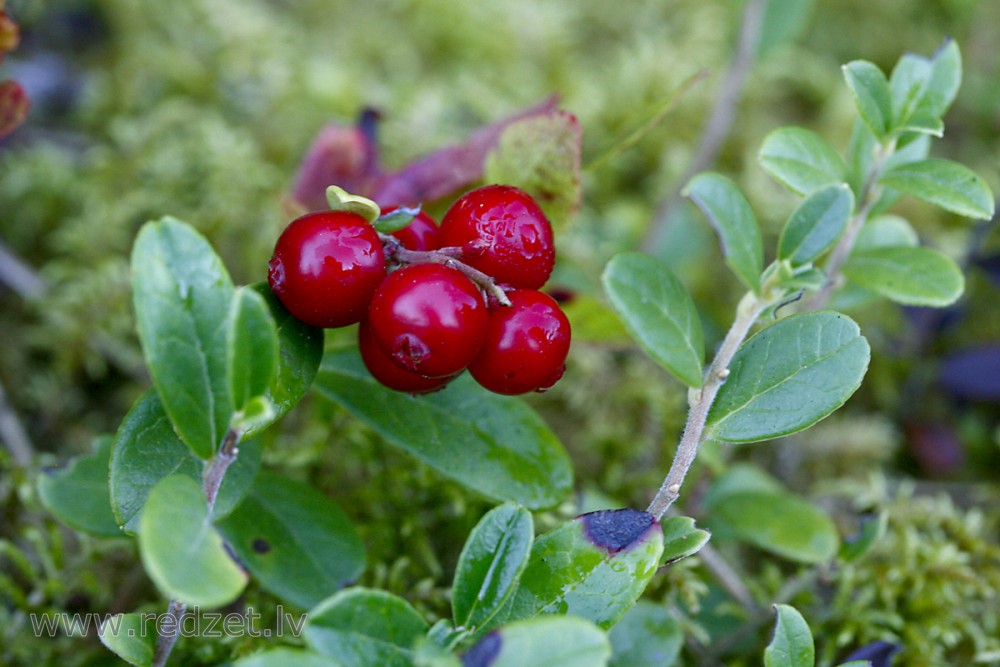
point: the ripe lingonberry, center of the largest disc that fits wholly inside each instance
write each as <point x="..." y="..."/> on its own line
<point x="421" y="234"/>
<point x="503" y="233"/>
<point x="388" y="372"/>
<point x="525" y="347"/>
<point x="326" y="266"/>
<point x="429" y="319"/>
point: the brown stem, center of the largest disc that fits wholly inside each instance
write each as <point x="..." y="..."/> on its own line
<point x="719" y="122"/>
<point x="750" y="308"/>
<point x="394" y="250"/>
<point x="165" y="644"/>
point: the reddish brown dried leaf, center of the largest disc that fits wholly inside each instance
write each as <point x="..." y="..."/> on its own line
<point x="13" y="106"/>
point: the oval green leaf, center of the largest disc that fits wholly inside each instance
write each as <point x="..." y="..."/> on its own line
<point x="658" y="313"/>
<point x="79" y="494"/>
<point x="181" y="550"/>
<point x="495" y="445"/>
<point x="296" y="542"/>
<point x="362" y="627"/>
<point x="777" y="522"/>
<point x="792" y="643"/>
<point x="915" y="276"/>
<point x="871" y="94"/>
<point x="251" y="346"/>
<point x="181" y="293"/>
<point x="788" y="377"/>
<point x="491" y="564"/>
<point x="595" y="566"/>
<point x="146" y="450"/>
<point x="681" y="539"/>
<point x="300" y="349"/>
<point x="886" y="231"/>
<point x="801" y="159"/>
<point x="816" y="224"/>
<point x="733" y="219"/>
<point x="131" y="637"/>
<point x="556" y="641"/>
<point x="647" y="635"/>
<point x="950" y="185"/>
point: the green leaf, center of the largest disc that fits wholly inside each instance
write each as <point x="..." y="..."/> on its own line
<point x="816" y="224"/>
<point x="541" y="155"/>
<point x="913" y="276"/>
<point x="286" y="657"/>
<point x="251" y="346"/>
<point x="182" y="292"/>
<point x="131" y="637"/>
<point x="886" y="231"/>
<point x="907" y="84"/>
<point x="784" y="21"/>
<point x="950" y="185"/>
<point x="871" y="94"/>
<point x="495" y="445"/>
<point x="491" y="564"/>
<point x="733" y="219"/>
<point x="681" y="539"/>
<point x="595" y="566"/>
<point x="397" y="219"/>
<point x="788" y="377"/>
<point x="361" y="627"/>
<point x="801" y="159"/>
<point x="555" y="641"/>
<point x="300" y="349"/>
<point x="777" y="522"/>
<point x="342" y="200"/>
<point x="646" y="635"/>
<point x="871" y="530"/>
<point x="658" y="313"/>
<point x="294" y="540"/>
<point x="792" y="644"/>
<point x="79" y="494"/>
<point x="180" y="549"/>
<point x="146" y="450"/>
<point x="945" y="80"/>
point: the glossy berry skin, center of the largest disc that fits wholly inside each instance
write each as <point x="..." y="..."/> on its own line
<point x="503" y="233"/>
<point x="421" y="234"/>
<point x="390" y="374"/>
<point x="326" y="267"/>
<point x="429" y="319"/>
<point x="526" y="345"/>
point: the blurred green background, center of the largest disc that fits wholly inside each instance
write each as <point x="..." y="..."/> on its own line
<point x="202" y="111"/>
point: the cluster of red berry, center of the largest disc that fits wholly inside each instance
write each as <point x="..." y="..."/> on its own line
<point x="434" y="301"/>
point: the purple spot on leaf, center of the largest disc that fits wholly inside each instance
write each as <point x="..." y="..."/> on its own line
<point x="485" y="651"/>
<point x="616" y="530"/>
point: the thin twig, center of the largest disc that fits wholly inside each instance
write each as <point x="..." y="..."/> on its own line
<point x="750" y="308"/>
<point x="394" y="250"/>
<point x="719" y="122"/>
<point x="212" y="478"/>
<point x="19" y="276"/>
<point x="176" y="611"/>
<point x="13" y="433"/>
<point x="868" y="197"/>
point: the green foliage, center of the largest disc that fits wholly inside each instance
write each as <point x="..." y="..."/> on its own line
<point x="188" y="561"/>
<point x="454" y="430"/>
<point x="792" y="644"/>
<point x="789" y="376"/>
<point x="658" y="313"/>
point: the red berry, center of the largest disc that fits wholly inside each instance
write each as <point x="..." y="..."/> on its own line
<point x="388" y="373"/>
<point x="503" y="233"/>
<point x="429" y="318"/>
<point x="326" y="266"/>
<point x="526" y="345"/>
<point x="421" y="234"/>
